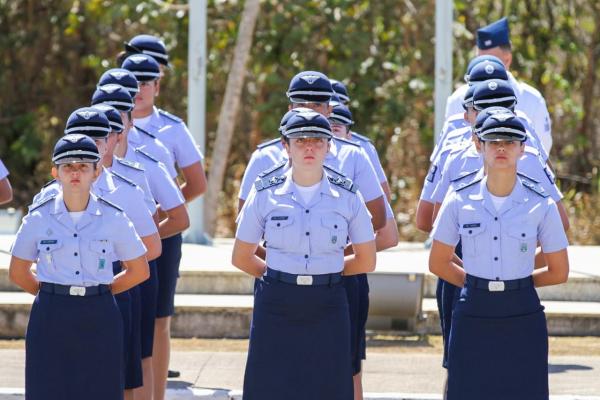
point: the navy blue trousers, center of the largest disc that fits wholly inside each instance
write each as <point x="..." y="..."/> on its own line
<point x="167" y="267"/>
<point x="498" y="346"/>
<point x="74" y="348"/>
<point x="446" y="295"/>
<point x="350" y="283"/>
<point x="148" y="293"/>
<point x="299" y="343"/>
<point x="363" y="315"/>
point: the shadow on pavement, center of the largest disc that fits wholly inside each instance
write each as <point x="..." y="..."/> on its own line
<point x="560" y="368"/>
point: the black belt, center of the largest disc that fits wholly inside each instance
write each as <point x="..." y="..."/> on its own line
<point x="304" y="280"/>
<point x="67" y="290"/>
<point x="498" y="286"/>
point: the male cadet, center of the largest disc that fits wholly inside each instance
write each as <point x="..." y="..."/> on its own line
<point x="5" y="188"/>
<point x="170" y="200"/>
<point x="494" y="39"/>
<point x="185" y="154"/>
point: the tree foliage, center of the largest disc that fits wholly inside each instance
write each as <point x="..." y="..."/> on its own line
<point x="53" y="52"/>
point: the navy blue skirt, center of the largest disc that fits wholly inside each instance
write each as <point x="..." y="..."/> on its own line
<point x="350" y="283"/>
<point x="168" y="272"/>
<point x="74" y="348"/>
<point x="363" y="315"/>
<point x="498" y="346"/>
<point x="299" y="343"/>
<point x="148" y="292"/>
<point x="447" y="296"/>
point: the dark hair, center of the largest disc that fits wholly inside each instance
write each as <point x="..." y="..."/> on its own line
<point x="121" y="57"/>
<point x="506" y="47"/>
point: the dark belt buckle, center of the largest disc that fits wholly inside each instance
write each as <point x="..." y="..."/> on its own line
<point x="77" y="291"/>
<point x="496" y="286"/>
<point x="304" y="280"/>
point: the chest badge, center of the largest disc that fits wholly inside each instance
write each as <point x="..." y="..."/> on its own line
<point x="334" y="239"/>
<point x="523" y="247"/>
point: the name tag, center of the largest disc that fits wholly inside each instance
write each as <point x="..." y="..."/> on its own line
<point x="279" y="218"/>
<point x="49" y="241"/>
<point x="496" y="286"/>
<point x="476" y="225"/>
<point x="304" y="280"/>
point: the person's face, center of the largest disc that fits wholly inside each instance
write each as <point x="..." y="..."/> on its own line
<point x="111" y="143"/>
<point x="471" y="115"/>
<point x="76" y="177"/>
<point x="145" y="97"/>
<point x="322" y="108"/>
<point x="101" y="143"/>
<point x="503" y="154"/>
<point x="127" y="124"/>
<point x="339" y="130"/>
<point x="307" y="152"/>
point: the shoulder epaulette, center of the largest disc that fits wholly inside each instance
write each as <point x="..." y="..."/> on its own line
<point x="49" y="183"/>
<point x="146" y="154"/>
<point x="272" y="169"/>
<point x="535" y="188"/>
<point x="43" y="201"/>
<point x="130" y="164"/>
<point x="522" y="175"/>
<point x="346" y="141"/>
<point x="335" y="171"/>
<point x="169" y="116"/>
<point x="464" y="175"/>
<point x="124" y="179"/>
<point x="145" y="132"/>
<point x="108" y="203"/>
<point x="265" y="183"/>
<point x="342" y="182"/>
<point x="268" y="143"/>
<point x="360" y="137"/>
<point x="464" y="185"/>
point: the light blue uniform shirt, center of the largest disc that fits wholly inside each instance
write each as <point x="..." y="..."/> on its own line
<point x="304" y="238"/>
<point x="3" y="170"/>
<point x="529" y="100"/>
<point x="344" y="156"/>
<point x="125" y="195"/>
<point x="76" y="254"/>
<point x="162" y="186"/>
<point x="134" y="172"/>
<point x="435" y="170"/>
<point x="466" y="161"/>
<point x="369" y="149"/>
<point x="500" y="245"/>
<point x="148" y="143"/>
<point x="176" y="137"/>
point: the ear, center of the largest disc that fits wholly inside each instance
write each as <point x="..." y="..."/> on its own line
<point x="157" y="86"/>
<point x="54" y="172"/>
<point x="507" y="59"/>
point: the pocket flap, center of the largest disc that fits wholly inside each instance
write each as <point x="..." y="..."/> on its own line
<point x="333" y="222"/>
<point x="522" y="231"/>
<point x="472" y="229"/>
<point x="48" y="245"/>
<point x="280" y="221"/>
<point x="101" y="246"/>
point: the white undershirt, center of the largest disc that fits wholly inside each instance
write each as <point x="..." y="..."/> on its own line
<point x="308" y="192"/>
<point x="498" y="201"/>
<point x="76" y="216"/>
<point x="142" y="122"/>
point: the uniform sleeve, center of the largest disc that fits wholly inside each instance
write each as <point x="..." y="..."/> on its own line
<point x="140" y="216"/>
<point x="360" y="227"/>
<point x="186" y="149"/>
<point x="442" y="185"/>
<point x="255" y="167"/>
<point x="389" y="213"/>
<point x="366" y="178"/>
<point x="250" y="222"/>
<point x="374" y="158"/>
<point x="3" y="171"/>
<point x="445" y="227"/>
<point x="126" y="242"/>
<point x="551" y="233"/>
<point x="163" y="188"/>
<point x="543" y="125"/>
<point x="25" y="244"/>
<point x="166" y="158"/>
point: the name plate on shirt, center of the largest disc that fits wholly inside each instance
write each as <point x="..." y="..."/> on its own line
<point x="496" y="286"/>
<point x="77" y="290"/>
<point x="304" y="280"/>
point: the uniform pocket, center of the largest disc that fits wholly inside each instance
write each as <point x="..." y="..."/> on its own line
<point x="523" y="240"/>
<point x="47" y="251"/>
<point x="473" y="240"/>
<point x="278" y="229"/>
<point x="103" y="252"/>
<point x="336" y="231"/>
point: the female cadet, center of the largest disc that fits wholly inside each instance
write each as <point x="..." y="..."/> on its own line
<point x="300" y="334"/>
<point x="74" y="338"/>
<point x="499" y="340"/>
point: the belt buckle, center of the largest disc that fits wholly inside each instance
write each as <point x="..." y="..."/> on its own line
<point x="77" y="290"/>
<point x="496" y="286"/>
<point x="304" y="280"/>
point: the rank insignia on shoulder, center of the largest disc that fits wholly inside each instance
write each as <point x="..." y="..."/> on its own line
<point x="43" y="201"/>
<point x="535" y="188"/>
<point x="122" y="178"/>
<point x="272" y="169"/>
<point x="145" y="132"/>
<point x="110" y="204"/>
<point x="360" y="137"/>
<point x="522" y="175"/>
<point x="346" y="141"/>
<point x="335" y="171"/>
<point x="464" y="175"/>
<point x="130" y="164"/>
<point x="170" y="116"/>
<point x="467" y="183"/>
<point x="265" y="183"/>
<point x="49" y="183"/>
<point x="268" y="143"/>
<point x="146" y="154"/>
<point x="342" y="182"/>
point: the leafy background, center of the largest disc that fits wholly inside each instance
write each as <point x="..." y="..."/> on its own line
<point x="53" y="51"/>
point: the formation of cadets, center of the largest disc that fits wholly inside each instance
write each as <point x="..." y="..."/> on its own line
<point x="314" y="208"/>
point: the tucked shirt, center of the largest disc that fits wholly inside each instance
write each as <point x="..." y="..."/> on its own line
<point x="79" y="253"/>
<point x="304" y="238"/>
<point x="499" y="245"/>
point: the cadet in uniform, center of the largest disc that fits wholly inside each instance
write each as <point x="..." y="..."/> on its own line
<point x="186" y="156"/>
<point x="74" y="336"/>
<point x="299" y="348"/>
<point x="5" y="188"/>
<point x="499" y="218"/>
<point x="494" y="39"/>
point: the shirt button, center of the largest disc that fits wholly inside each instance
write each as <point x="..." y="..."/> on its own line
<point x="47" y="248"/>
<point x="307" y="233"/>
<point x="522" y="235"/>
<point x="75" y="254"/>
<point x="306" y="256"/>
<point x="495" y="218"/>
<point x="76" y="272"/>
<point x="278" y="224"/>
<point x="307" y="211"/>
<point x="495" y="258"/>
<point x="74" y="235"/>
<point x="470" y="231"/>
<point x="495" y="237"/>
<point x="335" y="227"/>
